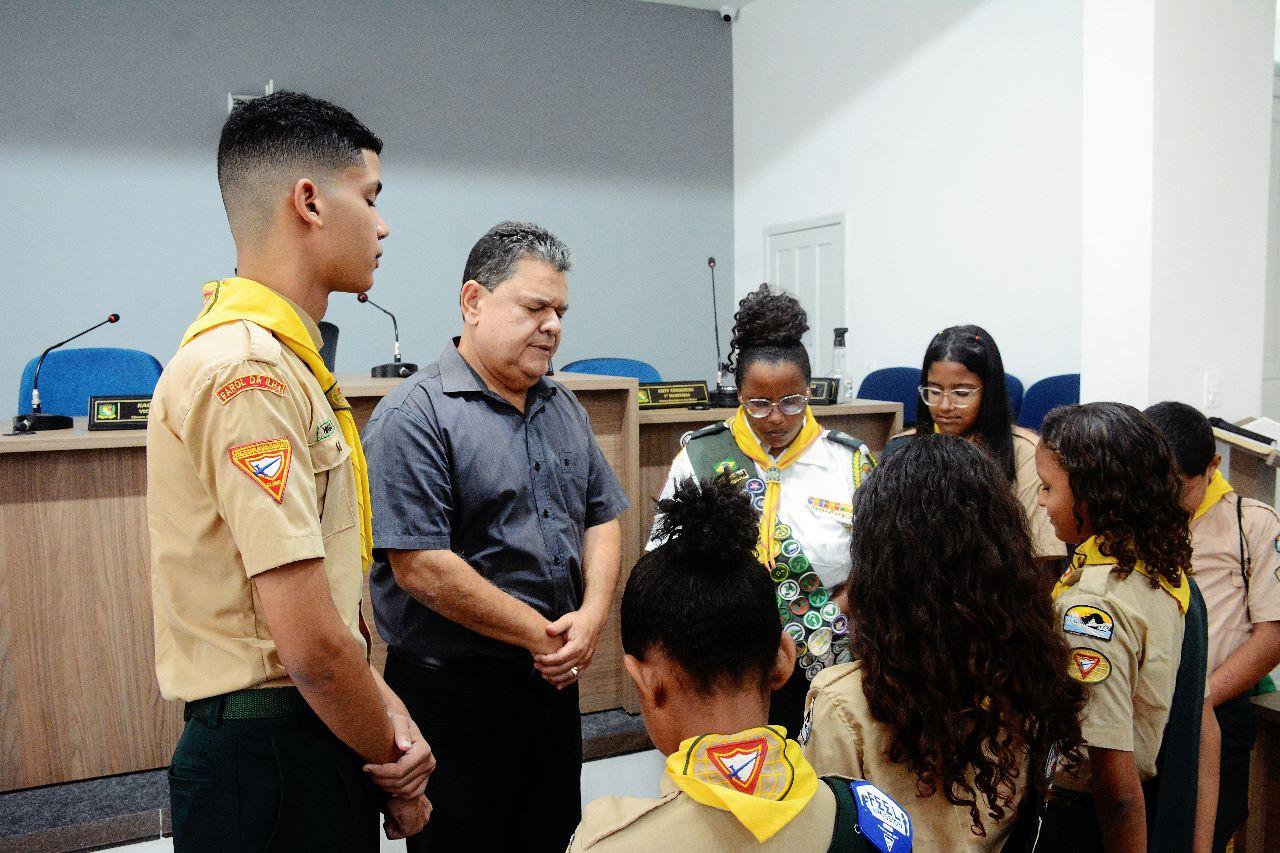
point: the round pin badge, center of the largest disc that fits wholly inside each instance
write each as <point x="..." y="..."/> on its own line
<point x="799" y="564"/>
<point x="812" y="620"/>
<point x="795" y="631"/>
<point x="818" y="598"/>
<point x="812" y="672"/>
<point x="780" y="572"/>
<point x="820" y="641"/>
<point x="789" y="591"/>
<point x="754" y="486"/>
<point x="827" y="660"/>
<point x="790" y="548"/>
<point x="758" y="503"/>
<point x="830" y="610"/>
<point x="781" y="532"/>
<point x="800" y="607"/>
<point x="806" y="660"/>
<point x="809" y="582"/>
<point x="840" y="625"/>
<point x="844" y="657"/>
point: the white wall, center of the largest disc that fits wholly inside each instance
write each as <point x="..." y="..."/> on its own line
<point x="608" y="121"/>
<point x="1177" y="151"/>
<point x="948" y="133"/>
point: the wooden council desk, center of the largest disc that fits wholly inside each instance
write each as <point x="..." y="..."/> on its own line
<point x="78" y="694"/>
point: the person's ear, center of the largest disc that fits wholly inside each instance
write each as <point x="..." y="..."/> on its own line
<point x="784" y="662"/>
<point x="1213" y="466"/>
<point x="305" y="201"/>
<point x="648" y="680"/>
<point x="473" y="293"/>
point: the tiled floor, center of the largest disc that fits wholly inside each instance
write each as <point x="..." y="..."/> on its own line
<point x="633" y="775"/>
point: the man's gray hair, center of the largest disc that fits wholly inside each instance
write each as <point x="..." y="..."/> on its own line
<point x="494" y="256"/>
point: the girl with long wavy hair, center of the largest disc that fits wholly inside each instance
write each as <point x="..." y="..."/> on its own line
<point x="962" y="392"/>
<point x="958" y="689"/>
<point x="1110" y="484"/>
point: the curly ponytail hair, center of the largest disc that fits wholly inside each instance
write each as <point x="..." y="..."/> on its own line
<point x="962" y="657"/>
<point x="768" y="326"/>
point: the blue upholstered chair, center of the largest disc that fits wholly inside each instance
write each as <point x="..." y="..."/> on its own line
<point x="641" y="370"/>
<point x="71" y="376"/>
<point x="896" y="385"/>
<point x="1048" y="393"/>
<point x="1013" y="387"/>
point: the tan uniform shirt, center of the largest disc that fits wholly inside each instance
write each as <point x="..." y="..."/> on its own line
<point x="1126" y="644"/>
<point x="247" y="470"/>
<point x="842" y="738"/>
<point x="1215" y="543"/>
<point x="1026" y="486"/>
<point x="677" y="822"/>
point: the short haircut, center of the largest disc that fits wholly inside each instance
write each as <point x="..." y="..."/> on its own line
<point x="273" y="136"/>
<point x="701" y="597"/>
<point x="494" y="256"/>
<point x="1188" y="433"/>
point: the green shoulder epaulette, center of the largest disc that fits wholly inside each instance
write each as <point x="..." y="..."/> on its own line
<point x="711" y="429"/>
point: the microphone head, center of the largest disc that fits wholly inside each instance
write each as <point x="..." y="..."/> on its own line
<point x="362" y="297"/>
<point x="711" y="262"/>
<point x="113" y="318"/>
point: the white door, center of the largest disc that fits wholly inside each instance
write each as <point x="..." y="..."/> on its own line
<point x="807" y="260"/>
<point x="1271" y="330"/>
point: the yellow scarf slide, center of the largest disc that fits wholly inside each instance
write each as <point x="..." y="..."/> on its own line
<point x="758" y="776"/>
<point x="235" y="299"/>
<point x="766" y="546"/>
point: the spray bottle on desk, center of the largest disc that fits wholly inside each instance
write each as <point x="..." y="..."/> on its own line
<point x="838" y="371"/>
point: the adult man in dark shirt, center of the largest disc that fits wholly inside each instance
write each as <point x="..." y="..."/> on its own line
<point x="497" y="546"/>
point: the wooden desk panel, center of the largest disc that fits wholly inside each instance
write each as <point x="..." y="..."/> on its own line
<point x="78" y="693"/>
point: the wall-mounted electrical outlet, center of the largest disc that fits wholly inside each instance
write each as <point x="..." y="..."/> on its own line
<point x="1212" y="389"/>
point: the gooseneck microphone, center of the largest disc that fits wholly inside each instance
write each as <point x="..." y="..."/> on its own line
<point x="35" y="420"/>
<point x="723" y="396"/>
<point x="396" y="369"/>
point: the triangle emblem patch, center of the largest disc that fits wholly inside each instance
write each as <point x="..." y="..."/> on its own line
<point x="740" y="763"/>
<point x="266" y="463"/>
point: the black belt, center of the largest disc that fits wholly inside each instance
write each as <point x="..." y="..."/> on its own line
<point x="261" y="703"/>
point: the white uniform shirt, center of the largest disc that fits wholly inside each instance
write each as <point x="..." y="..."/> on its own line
<point x="823" y="471"/>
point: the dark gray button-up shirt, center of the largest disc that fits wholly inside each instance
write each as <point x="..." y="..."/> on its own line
<point x="454" y="467"/>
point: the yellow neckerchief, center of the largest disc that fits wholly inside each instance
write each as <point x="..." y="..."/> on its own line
<point x="1089" y="554"/>
<point x="748" y="443"/>
<point x="1217" y="489"/>
<point x="972" y="438"/>
<point x="235" y="299"/>
<point x="758" y="775"/>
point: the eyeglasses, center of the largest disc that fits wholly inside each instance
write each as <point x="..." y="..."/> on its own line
<point x="961" y="398"/>
<point x="792" y="404"/>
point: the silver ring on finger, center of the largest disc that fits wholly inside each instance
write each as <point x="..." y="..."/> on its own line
<point x="573" y="670"/>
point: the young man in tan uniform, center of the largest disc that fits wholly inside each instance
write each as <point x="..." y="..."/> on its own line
<point x="258" y="505"/>
<point x="1235" y="545"/>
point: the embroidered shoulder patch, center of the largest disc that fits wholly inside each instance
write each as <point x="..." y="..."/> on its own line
<point x="883" y="822"/>
<point x="740" y="762"/>
<point x="1088" y="622"/>
<point x="252" y="382"/>
<point x="325" y="429"/>
<point x="266" y="463"/>
<point x="1089" y="666"/>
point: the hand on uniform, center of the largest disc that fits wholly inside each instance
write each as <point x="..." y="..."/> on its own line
<point x="406" y="816"/>
<point x="407" y="776"/>
<point x="579" y="630"/>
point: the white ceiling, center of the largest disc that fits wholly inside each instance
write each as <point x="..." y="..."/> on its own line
<point x="712" y="5"/>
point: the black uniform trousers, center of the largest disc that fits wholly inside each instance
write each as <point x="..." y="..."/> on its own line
<point x="1235" y="719"/>
<point x="508" y="748"/>
<point x="277" y="784"/>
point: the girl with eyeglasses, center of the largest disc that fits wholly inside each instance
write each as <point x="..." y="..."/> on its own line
<point x="801" y="478"/>
<point x="962" y="393"/>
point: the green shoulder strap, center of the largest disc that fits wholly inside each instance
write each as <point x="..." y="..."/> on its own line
<point x="713" y="451"/>
<point x="845" y="837"/>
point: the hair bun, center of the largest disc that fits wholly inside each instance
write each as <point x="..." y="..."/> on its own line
<point x="765" y="318"/>
<point x="709" y="523"/>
